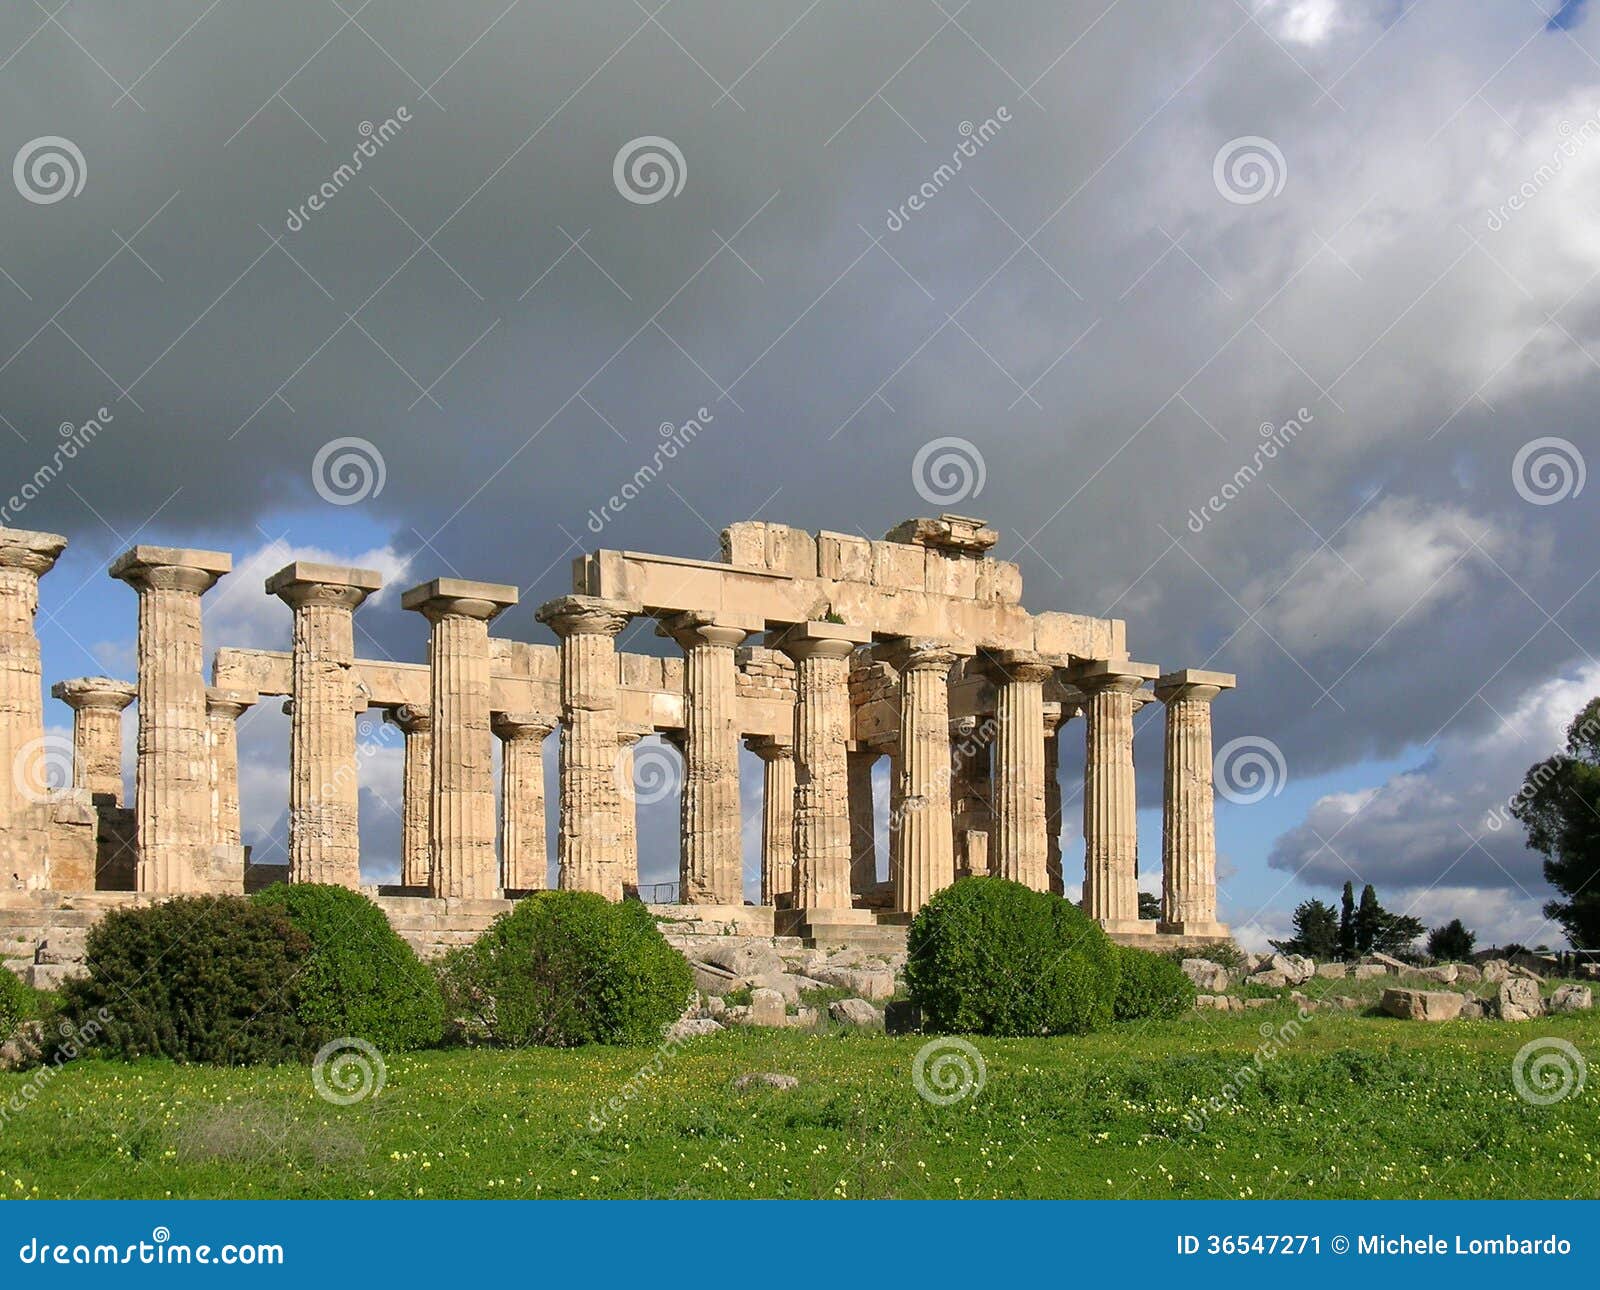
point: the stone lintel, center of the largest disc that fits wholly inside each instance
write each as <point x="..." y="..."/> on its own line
<point x="694" y="627"/>
<point x="913" y="650"/>
<point x="459" y="596"/>
<point x="577" y="615"/>
<point x="136" y="563"/>
<point x="290" y="580"/>
<point x="1016" y="665"/>
<point x="95" y="692"/>
<point x="1192" y="681"/>
<point x="948" y="533"/>
<point x="30" y="549"/>
<point x="806" y="635"/>
<point x="523" y="725"/>
<point x="768" y="747"/>
<point x="231" y="703"/>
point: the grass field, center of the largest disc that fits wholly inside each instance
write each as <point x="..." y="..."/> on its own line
<point x="1352" y="1106"/>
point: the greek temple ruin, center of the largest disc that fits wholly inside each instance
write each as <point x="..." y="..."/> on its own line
<point x="819" y="653"/>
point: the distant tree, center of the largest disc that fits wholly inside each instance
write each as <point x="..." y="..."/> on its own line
<point x="1149" y="906"/>
<point x="1377" y="931"/>
<point x="1559" y="805"/>
<point x="1316" y="931"/>
<point x="1451" y="943"/>
<point x="1347" y="922"/>
<point x="1368" y="919"/>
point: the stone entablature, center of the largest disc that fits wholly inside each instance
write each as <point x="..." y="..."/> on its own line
<point x="819" y="653"/>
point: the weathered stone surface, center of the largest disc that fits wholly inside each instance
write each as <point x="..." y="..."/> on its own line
<point x="766" y="1079"/>
<point x="1519" y="1000"/>
<point x="869" y="983"/>
<point x="855" y="1012"/>
<point x="1344" y="1002"/>
<point x="1444" y="973"/>
<point x="1333" y="971"/>
<point x="1272" y="979"/>
<point x="1473" y="1008"/>
<point x="1206" y="975"/>
<point x="1366" y="971"/>
<point x="767" y="1008"/>
<point x="1218" y="1003"/>
<point x="25" y="1048"/>
<point x="1422" y="1005"/>
<point x="1571" y="998"/>
<point x="741" y="956"/>
<point x="1296" y="968"/>
<point x="689" y="1027"/>
<point x="711" y="979"/>
<point x="1495" y="970"/>
<point x="1389" y="961"/>
<point x="1468" y="972"/>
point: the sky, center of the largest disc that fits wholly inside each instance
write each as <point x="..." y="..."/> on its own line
<point x="1269" y="326"/>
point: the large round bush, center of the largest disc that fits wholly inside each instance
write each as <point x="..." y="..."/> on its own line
<point x="361" y="978"/>
<point x="990" y="957"/>
<point x="196" y="979"/>
<point x="1150" y="985"/>
<point x="564" y="968"/>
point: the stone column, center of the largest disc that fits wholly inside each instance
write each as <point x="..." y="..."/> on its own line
<point x="173" y="790"/>
<point x="1110" y="813"/>
<point x="1019" y="848"/>
<point x="1188" y="827"/>
<point x="588" y="846"/>
<point x="525" y="860"/>
<point x="711" y="867"/>
<point x="416" y="723"/>
<point x="628" y="737"/>
<point x="461" y="820"/>
<point x="97" y="703"/>
<point x="25" y="557"/>
<point x="777" y="816"/>
<point x="925" y="858"/>
<point x="822" y="720"/>
<point x="863" y="821"/>
<point x="324" y="775"/>
<point x="223" y="709"/>
<point x="970" y="739"/>
<point x="1054" y="722"/>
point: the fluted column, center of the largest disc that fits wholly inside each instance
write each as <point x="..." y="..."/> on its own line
<point x="324" y="779"/>
<point x="711" y="868"/>
<point x="970" y="740"/>
<point x="1110" y="811"/>
<point x="925" y="859"/>
<point x="628" y="737"/>
<point x="821" y="652"/>
<point x="1019" y="847"/>
<point x="1188" y="826"/>
<point x="224" y="707"/>
<point x="25" y="557"/>
<point x="173" y="789"/>
<point x="1054" y="723"/>
<point x="863" y="821"/>
<point x="416" y="789"/>
<point x="525" y="862"/>
<point x="588" y="846"/>
<point x="461" y="787"/>
<point x="97" y="703"/>
<point x="777" y="816"/>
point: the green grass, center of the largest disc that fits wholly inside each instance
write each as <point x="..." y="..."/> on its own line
<point x="1353" y="1106"/>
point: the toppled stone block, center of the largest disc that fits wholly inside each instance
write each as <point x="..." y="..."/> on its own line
<point x="1207" y="976"/>
<point x="1495" y="970"/>
<point x="1468" y="972"/>
<point x="689" y="1027"/>
<point x="1519" y="999"/>
<point x="855" y="1012"/>
<point x="767" y="1008"/>
<point x="1366" y="971"/>
<point x="1422" y="1005"/>
<point x="1296" y="969"/>
<point x="1333" y="971"/>
<point x="1271" y="979"/>
<point x="1473" y="1008"/>
<point x="1571" y="998"/>
<point x="1444" y="973"/>
<point x="1218" y="1003"/>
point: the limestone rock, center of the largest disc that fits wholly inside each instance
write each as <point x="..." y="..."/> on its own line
<point x="1571" y="998"/>
<point x="1206" y="975"/>
<point x="689" y="1027"/>
<point x="25" y="1049"/>
<point x="766" y="1079"/>
<point x="868" y="982"/>
<point x="767" y="1008"/>
<point x="1333" y="971"/>
<point x="1422" y="1005"/>
<point x="711" y="979"/>
<point x="1444" y="973"/>
<point x="1366" y="971"/>
<point x="805" y="1019"/>
<point x="1344" y="1002"/>
<point x="1519" y="999"/>
<point x="1468" y="972"/>
<point x="1386" y="961"/>
<point x="741" y="957"/>
<point x="1296" y="969"/>
<point x="1473" y="1008"/>
<point x="1218" y="1002"/>
<point x="1495" y="970"/>
<point x="1259" y="1003"/>
<point x="855" y="1012"/>
<point x="1271" y="979"/>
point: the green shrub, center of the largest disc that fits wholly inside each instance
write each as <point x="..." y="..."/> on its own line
<point x="18" y="1002"/>
<point x="196" y="979"/>
<point x="1150" y="985"/>
<point x="1223" y="953"/>
<point x="565" y="968"/>
<point x="990" y="957"/>
<point x="361" y="978"/>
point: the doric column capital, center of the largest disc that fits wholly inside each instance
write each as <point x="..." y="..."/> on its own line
<point x="95" y="692"/>
<point x="695" y="628"/>
<point x="628" y="734"/>
<point x="29" y="549"/>
<point x="171" y="568"/>
<point x="916" y="654"/>
<point x="1121" y="676"/>
<point x="1016" y="665"/>
<point x="585" y="615"/>
<point x="412" y="718"/>
<point x="1191" y="683"/>
<point x="223" y="702"/>
<point x="509" y="726"/>
<point x="819" y="640"/>
<point x="459" y="598"/>
<point x="770" y="748"/>
<point x="307" y="583"/>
